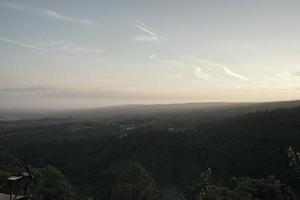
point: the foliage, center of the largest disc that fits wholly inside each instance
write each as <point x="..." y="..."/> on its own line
<point x="128" y="180"/>
<point x="50" y="184"/>
<point x="265" y="189"/>
<point x="242" y="189"/>
<point x="8" y="166"/>
<point x="294" y="158"/>
<point x="174" y="149"/>
<point x="204" y="190"/>
<point x="6" y="160"/>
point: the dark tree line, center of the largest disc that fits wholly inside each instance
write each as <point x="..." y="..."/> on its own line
<point x="252" y="145"/>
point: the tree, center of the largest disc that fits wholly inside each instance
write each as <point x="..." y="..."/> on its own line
<point x="130" y="181"/>
<point x="264" y="189"/>
<point x="294" y="158"/>
<point x="50" y="184"/>
<point x="204" y="190"/>
<point x="8" y="167"/>
<point x="243" y="189"/>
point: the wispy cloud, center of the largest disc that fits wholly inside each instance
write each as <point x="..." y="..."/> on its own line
<point x="21" y="44"/>
<point x="178" y="63"/>
<point x="150" y="36"/>
<point x="70" y="47"/>
<point x="233" y="74"/>
<point x="152" y="56"/>
<point x="47" y="13"/>
<point x="177" y="75"/>
<point x="145" y="38"/>
<point x="54" y="46"/>
<point x="281" y="81"/>
<point x="200" y="74"/>
<point x="296" y="73"/>
<point x="146" y="29"/>
<point x="54" y="14"/>
<point x="203" y="69"/>
<point x="215" y="68"/>
<point x="175" y="63"/>
<point x="69" y="93"/>
<point x="78" y="49"/>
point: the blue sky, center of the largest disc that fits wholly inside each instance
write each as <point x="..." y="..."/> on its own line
<point x="70" y="54"/>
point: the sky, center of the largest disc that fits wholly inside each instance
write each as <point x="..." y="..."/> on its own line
<point x="76" y="54"/>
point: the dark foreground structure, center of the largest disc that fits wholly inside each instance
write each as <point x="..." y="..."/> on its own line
<point x="19" y="187"/>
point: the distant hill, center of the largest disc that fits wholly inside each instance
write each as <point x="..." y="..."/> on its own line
<point x="213" y="109"/>
<point x="134" y="111"/>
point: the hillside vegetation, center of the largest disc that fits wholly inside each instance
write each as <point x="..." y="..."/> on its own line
<point x="161" y="151"/>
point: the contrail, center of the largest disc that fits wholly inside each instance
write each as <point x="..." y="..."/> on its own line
<point x="152" y="35"/>
<point x="144" y="25"/>
<point x="46" y="13"/>
<point x="146" y="30"/>
<point x="21" y="44"/>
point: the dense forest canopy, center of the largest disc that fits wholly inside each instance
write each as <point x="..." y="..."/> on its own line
<point x="107" y="159"/>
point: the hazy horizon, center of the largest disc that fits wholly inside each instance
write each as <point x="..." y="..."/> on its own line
<point x="75" y="54"/>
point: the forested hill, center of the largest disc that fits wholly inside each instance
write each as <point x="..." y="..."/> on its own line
<point x="210" y="110"/>
<point x="252" y="144"/>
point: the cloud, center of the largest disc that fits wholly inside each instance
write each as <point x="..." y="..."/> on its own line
<point x="63" y="98"/>
<point x="47" y="13"/>
<point x="175" y="63"/>
<point x="53" y="14"/>
<point x="141" y="27"/>
<point x="145" y="38"/>
<point x="41" y="92"/>
<point x="177" y="75"/>
<point x="21" y="44"/>
<point x="200" y="74"/>
<point x="198" y="70"/>
<point x="233" y="74"/>
<point x="284" y="81"/>
<point x="203" y="69"/>
<point x="215" y="68"/>
<point x="55" y="46"/>
<point x="151" y="35"/>
<point x="70" y="47"/>
<point x="297" y="73"/>
<point x="152" y="56"/>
